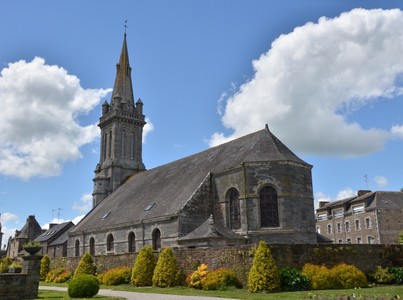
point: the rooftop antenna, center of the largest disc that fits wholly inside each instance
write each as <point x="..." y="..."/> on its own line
<point x="53" y="214"/>
<point x="58" y="214"/>
<point x="366" y="180"/>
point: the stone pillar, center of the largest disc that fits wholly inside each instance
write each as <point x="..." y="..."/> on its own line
<point x="32" y="267"/>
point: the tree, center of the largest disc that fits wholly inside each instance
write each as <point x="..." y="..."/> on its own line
<point x="45" y="267"/>
<point x="166" y="273"/>
<point x="85" y="266"/>
<point x="143" y="269"/>
<point x="263" y="275"/>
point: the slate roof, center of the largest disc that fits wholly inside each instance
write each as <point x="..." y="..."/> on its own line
<point x="61" y="239"/>
<point x="210" y="230"/>
<point x="376" y="199"/>
<point x="54" y="231"/>
<point x="170" y="186"/>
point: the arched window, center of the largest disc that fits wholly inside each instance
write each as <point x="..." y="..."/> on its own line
<point x="109" y="242"/>
<point x="156" y="239"/>
<point x="123" y="143"/>
<point x="92" y="246"/>
<point x="77" y="248"/>
<point x="268" y="207"/>
<point x="110" y="145"/>
<point x="131" y="241"/>
<point x="234" y="209"/>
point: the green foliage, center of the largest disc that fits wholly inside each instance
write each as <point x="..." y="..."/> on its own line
<point x="342" y="276"/>
<point x="58" y="275"/>
<point x="32" y="244"/>
<point x="85" y="266"/>
<point x="321" y="278"/>
<point x="195" y="278"/>
<point x="83" y="286"/>
<point x="166" y="273"/>
<point x="116" y="276"/>
<point x="143" y="269"/>
<point x="381" y="275"/>
<point x="400" y="240"/>
<point x="221" y="279"/>
<point x="17" y="265"/>
<point x="349" y="276"/>
<point x="397" y="275"/>
<point x="263" y="275"/>
<point x="45" y="267"/>
<point x="293" y="280"/>
<point x="5" y="263"/>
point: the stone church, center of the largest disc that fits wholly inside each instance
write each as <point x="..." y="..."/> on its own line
<point x="249" y="189"/>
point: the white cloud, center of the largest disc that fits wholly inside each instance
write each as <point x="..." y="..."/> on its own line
<point x="312" y="78"/>
<point x="77" y="219"/>
<point x="85" y="203"/>
<point x="381" y="181"/>
<point x="38" y="128"/>
<point x="147" y="129"/>
<point x="6" y="219"/>
<point x="346" y="193"/>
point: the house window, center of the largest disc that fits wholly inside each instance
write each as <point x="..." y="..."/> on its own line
<point x="337" y="213"/>
<point x="338" y="227"/>
<point x="357" y="225"/>
<point x="359" y="240"/>
<point x="92" y="246"/>
<point x="235" y="209"/>
<point x="268" y="207"/>
<point x="131" y="241"/>
<point x="322" y="216"/>
<point x="109" y="243"/>
<point x="77" y="248"/>
<point x="370" y="239"/>
<point x="318" y="229"/>
<point x="329" y="229"/>
<point x="347" y="224"/>
<point x="340" y="241"/>
<point x="368" y="223"/>
<point x="156" y="239"/>
<point x="348" y="241"/>
<point x="358" y="208"/>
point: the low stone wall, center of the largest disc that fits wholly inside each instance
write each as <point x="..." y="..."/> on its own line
<point x="365" y="257"/>
<point x="23" y="285"/>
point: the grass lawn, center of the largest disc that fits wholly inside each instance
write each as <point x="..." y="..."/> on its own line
<point x="373" y="293"/>
<point x="44" y="294"/>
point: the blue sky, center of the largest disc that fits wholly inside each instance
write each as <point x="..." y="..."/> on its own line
<point x="325" y="76"/>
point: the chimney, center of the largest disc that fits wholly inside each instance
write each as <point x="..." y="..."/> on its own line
<point x="52" y="224"/>
<point x="362" y="192"/>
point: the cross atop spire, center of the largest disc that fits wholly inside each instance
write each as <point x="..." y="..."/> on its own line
<point x="125" y="25"/>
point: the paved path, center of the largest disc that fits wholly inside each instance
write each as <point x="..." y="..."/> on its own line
<point x="138" y="296"/>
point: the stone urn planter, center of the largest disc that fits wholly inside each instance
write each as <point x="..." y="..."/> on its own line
<point x="32" y="250"/>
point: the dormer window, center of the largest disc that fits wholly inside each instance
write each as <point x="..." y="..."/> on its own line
<point x="322" y="216"/>
<point x="337" y="213"/>
<point x="359" y="208"/>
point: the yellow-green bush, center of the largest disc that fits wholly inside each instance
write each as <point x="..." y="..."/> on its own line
<point x="58" y="275"/>
<point x="116" y="276"/>
<point x="195" y="278"/>
<point x="349" y="276"/>
<point x="5" y="263"/>
<point x="220" y="279"/>
<point x="321" y="277"/>
<point x="85" y="266"/>
<point x="143" y="269"/>
<point x="263" y="275"/>
<point x="381" y="275"/>
<point x="166" y="273"/>
<point x="340" y="276"/>
<point x="45" y="267"/>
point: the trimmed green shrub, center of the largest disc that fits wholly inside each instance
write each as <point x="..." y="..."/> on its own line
<point x="321" y="278"/>
<point x="45" y="267"/>
<point x="263" y="275"/>
<point x="221" y="279"/>
<point x="5" y="264"/>
<point x="195" y="278"/>
<point x="143" y="269"/>
<point x="349" y="276"/>
<point x="293" y="280"/>
<point x="381" y="275"/>
<point x="116" y="276"/>
<point x="166" y="273"/>
<point x="85" y="266"/>
<point x="83" y="286"/>
<point x="397" y="275"/>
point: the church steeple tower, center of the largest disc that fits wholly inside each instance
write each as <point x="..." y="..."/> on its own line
<point x="121" y="124"/>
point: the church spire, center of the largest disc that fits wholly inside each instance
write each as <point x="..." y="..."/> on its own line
<point x="123" y="88"/>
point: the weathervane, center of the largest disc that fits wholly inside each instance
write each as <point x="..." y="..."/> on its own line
<point x="125" y="25"/>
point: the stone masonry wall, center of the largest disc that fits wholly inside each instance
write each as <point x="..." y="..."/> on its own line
<point x="365" y="257"/>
